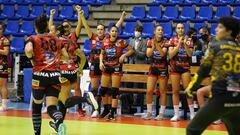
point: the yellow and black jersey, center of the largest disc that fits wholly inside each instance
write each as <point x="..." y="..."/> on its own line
<point x="222" y="61"/>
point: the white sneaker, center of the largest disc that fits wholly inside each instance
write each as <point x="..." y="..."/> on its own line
<point x="95" y="114"/>
<point x="175" y="118"/>
<point x="159" y="117"/>
<point x="217" y="122"/>
<point x="91" y="100"/>
<point x="3" y="109"/>
<point x="147" y="116"/>
<point x="192" y="116"/>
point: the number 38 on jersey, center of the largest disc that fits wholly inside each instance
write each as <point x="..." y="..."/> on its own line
<point x="232" y="62"/>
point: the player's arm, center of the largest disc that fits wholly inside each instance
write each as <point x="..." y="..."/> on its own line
<point x="120" y="21"/>
<point x="64" y="54"/>
<point x="188" y="50"/>
<point x="79" y="25"/>
<point x="50" y="22"/>
<point x="174" y="50"/>
<point x="80" y="54"/>
<point x="128" y="53"/>
<point x="202" y="73"/>
<point x="29" y="51"/>
<point x="5" y="50"/>
<point x="85" y="24"/>
<point x="162" y="51"/>
<point x="101" y="65"/>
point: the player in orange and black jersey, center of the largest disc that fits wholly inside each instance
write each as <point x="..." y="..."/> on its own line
<point x="111" y="59"/>
<point x="180" y="52"/>
<point x="96" y="45"/>
<point x="44" y="51"/>
<point x="222" y="62"/>
<point x="4" y="67"/>
<point x="158" y="72"/>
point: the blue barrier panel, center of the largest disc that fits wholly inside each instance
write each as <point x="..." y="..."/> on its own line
<point x="27" y="84"/>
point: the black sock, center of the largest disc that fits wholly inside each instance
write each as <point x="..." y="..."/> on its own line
<point x="80" y="106"/>
<point x="74" y="100"/>
<point x="113" y="111"/>
<point x="105" y="107"/>
<point x="109" y="106"/>
<point x="62" y="109"/>
<point x="37" y="118"/>
<point x="55" y="114"/>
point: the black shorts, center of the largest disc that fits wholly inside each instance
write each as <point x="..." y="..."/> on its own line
<point x="178" y="70"/>
<point x="95" y="70"/>
<point x="3" y="75"/>
<point x="113" y="71"/>
<point x="45" y="79"/>
<point x="70" y="75"/>
<point x="4" y="71"/>
<point x="39" y="94"/>
<point x="155" y="72"/>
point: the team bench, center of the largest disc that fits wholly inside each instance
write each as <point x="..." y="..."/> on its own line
<point x="137" y="73"/>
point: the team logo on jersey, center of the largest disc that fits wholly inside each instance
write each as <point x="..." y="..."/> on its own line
<point x="35" y="83"/>
<point x="63" y="79"/>
<point x="188" y="42"/>
<point x="118" y="44"/>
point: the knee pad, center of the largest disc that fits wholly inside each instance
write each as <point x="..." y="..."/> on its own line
<point x="95" y="92"/>
<point x="103" y="91"/>
<point x="115" y="92"/>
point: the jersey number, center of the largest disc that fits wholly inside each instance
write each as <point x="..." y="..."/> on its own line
<point x="232" y="63"/>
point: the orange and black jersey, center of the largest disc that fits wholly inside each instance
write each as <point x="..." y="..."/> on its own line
<point x="113" y="51"/>
<point x="222" y="61"/>
<point x="96" y="46"/>
<point x="47" y="52"/>
<point x="157" y="60"/>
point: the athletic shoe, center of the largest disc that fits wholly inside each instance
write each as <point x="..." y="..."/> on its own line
<point x="110" y="117"/>
<point x="3" y="109"/>
<point x="175" y="118"/>
<point x="62" y="129"/>
<point x="81" y="113"/>
<point x="95" y="114"/>
<point x="104" y="113"/>
<point x="217" y="122"/>
<point x="147" y="116"/>
<point x="159" y="117"/>
<point x="53" y="126"/>
<point x="91" y="100"/>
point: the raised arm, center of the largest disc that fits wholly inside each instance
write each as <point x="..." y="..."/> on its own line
<point x="79" y="25"/>
<point x="120" y="21"/>
<point x="50" y="23"/>
<point x="85" y="24"/>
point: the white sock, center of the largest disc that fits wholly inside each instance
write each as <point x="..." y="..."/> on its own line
<point x="191" y="109"/>
<point x="176" y="110"/>
<point x="162" y="109"/>
<point x="4" y="102"/>
<point x="149" y="108"/>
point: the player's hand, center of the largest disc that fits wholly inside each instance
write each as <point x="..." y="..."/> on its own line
<point x="124" y="13"/>
<point x="52" y="11"/>
<point x="78" y="8"/>
<point x="188" y="92"/>
<point x="101" y="66"/>
<point x="185" y="40"/>
<point x="122" y="58"/>
<point x="81" y="12"/>
<point x="181" y="40"/>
